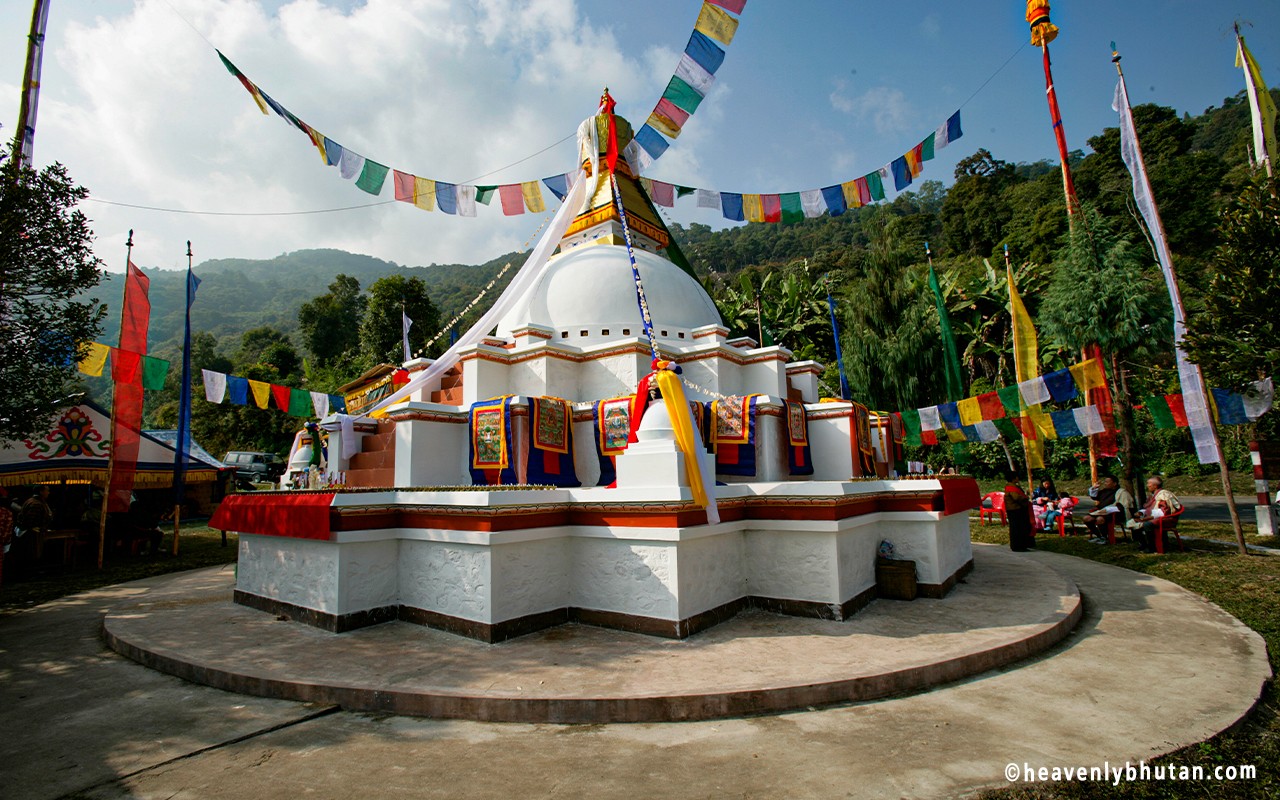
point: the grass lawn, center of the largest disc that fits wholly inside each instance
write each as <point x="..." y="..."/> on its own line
<point x="199" y="546"/>
<point x="1245" y="586"/>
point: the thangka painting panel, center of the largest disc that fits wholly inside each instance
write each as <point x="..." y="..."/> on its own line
<point x="862" y="424"/>
<point x="730" y="420"/>
<point x="551" y="424"/>
<point x="613" y="425"/>
<point x="489" y="446"/>
<point x="797" y="424"/>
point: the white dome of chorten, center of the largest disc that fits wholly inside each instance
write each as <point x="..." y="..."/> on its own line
<point x="588" y="296"/>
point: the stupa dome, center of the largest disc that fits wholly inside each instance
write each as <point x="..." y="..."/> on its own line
<point x="587" y="295"/>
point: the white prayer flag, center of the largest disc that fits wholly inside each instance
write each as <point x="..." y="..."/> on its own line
<point x="1258" y="398"/>
<point x="1088" y="420"/>
<point x="812" y="203"/>
<point x="929" y="419"/>
<point x="215" y="385"/>
<point x="708" y="199"/>
<point x="350" y="164"/>
<point x="692" y="73"/>
<point x="1034" y="391"/>
<point x="320" y="402"/>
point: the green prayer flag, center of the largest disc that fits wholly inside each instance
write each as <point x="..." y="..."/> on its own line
<point x="1160" y="413"/>
<point x="154" y="371"/>
<point x="485" y="193"/>
<point x="1006" y="427"/>
<point x="875" y="185"/>
<point x="1011" y="399"/>
<point x="372" y="177"/>
<point x="926" y="148"/>
<point x="682" y="95"/>
<point x="955" y="385"/>
<point x="682" y="191"/>
<point x="299" y="403"/>
<point x="792" y="209"/>
<point x="911" y="424"/>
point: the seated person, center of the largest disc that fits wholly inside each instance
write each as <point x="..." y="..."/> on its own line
<point x="1044" y="502"/>
<point x="1121" y="505"/>
<point x="1160" y="503"/>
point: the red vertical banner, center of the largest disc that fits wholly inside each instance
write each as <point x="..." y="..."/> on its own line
<point x="1101" y="397"/>
<point x="126" y="405"/>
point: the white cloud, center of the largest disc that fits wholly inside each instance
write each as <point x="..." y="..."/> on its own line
<point x="885" y="108"/>
<point x="143" y="112"/>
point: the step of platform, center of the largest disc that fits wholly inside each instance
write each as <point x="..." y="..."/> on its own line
<point x="381" y="477"/>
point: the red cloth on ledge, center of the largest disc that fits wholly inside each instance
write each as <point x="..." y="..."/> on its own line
<point x="301" y="516"/>
<point x="959" y="494"/>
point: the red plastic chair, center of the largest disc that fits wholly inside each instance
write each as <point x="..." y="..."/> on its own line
<point x="997" y="507"/>
<point x="1168" y="524"/>
<point x="1065" y="513"/>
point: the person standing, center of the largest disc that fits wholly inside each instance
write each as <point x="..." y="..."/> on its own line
<point x="1017" y="509"/>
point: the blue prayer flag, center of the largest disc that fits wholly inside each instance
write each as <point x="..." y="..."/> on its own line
<point x="652" y="141"/>
<point x="949" y="414"/>
<point x="1064" y="423"/>
<point x="901" y="173"/>
<point x="447" y="197"/>
<point x="731" y="204"/>
<point x="184" y="398"/>
<point x="558" y="184"/>
<point x="238" y="390"/>
<point x="1230" y="407"/>
<point x="1061" y="386"/>
<point x="833" y="196"/>
<point x="332" y="152"/>
<point x="704" y="52"/>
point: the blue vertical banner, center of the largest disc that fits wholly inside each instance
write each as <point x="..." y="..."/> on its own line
<point x="835" y="333"/>
<point x="184" y="399"/>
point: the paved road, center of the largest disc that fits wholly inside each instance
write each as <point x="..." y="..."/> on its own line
<point x="1209" y="508"/>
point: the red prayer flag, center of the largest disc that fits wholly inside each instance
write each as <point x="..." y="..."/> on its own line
<point x="771" y="204"/>
<point x="928" y="437"/>
<point x="729" y="5"/>
<point x="512" y="197"/>
<point x="282" y="395"/>
<point x="126" y="366"/>
<point x="1101" y="397"/>
<point x="126" y="403"/>
<point x="1176" y="408"/>
<point x="404" y="183"/>
<point x="990" y="405"/>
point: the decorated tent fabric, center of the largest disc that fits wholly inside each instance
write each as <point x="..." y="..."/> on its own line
<point x="733" y="434"/>
<point x="551" y="437"/>
<point x="612" y="424"/>
<point x="799" y="460"/>
<point x="490" y="443"/>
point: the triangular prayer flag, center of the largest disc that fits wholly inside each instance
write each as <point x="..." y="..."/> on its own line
<point x="95" y="359"/>
<point x="716" y="23"/>
<point x="372" y="176"/>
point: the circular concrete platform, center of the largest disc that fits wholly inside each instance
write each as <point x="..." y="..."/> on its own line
<point x="1009" y="608"/>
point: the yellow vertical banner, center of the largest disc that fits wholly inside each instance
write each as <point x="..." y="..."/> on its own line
<point x="1026" y="365"/>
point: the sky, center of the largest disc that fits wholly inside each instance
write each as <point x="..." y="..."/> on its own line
<point x="136" y="104"/>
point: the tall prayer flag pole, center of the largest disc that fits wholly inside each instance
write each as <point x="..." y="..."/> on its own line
<point x="845" y="394"/>
<point x="25" y="136"/>
<point x="950" y="357"/>
<point x="1042" y="32"/>
<point x="184" y="410"/>
<point x="1261" y="107"/>
<point x="1194" y="393"/>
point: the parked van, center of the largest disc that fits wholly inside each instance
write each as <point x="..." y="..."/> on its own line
<point x="257" y="467"/>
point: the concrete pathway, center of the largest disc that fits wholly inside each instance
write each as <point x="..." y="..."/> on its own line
<point x="1150" y="669"/>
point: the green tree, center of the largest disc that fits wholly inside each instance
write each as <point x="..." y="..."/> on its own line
<point x="973" y="214"/>
<point x="1236" y="338"/>
<point x="45" y="263"/>
<point x="269" y="347"/>
<point x="381" y="332"/>
<point x="330" y="323"/>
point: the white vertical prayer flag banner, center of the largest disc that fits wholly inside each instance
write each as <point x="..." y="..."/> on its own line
<point x="320" y="402"/>
<point x="1193" y="399"/>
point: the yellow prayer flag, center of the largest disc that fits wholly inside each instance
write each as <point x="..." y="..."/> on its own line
<point x="1088" y="375"/>
<point x="424" y="193"/>
<point x="970" y="411"/>
<point x="95" y="359"/>
<point x="261" y="393"/>
<point x="532" y="197"/>
<point x="1026" y="366"/>
<point x="663" y="125"/>
<point x="852" y="197"/>
<point x="752" y="208"/>
<point x="1262" y="108"/>
<point x="716" y="23"/>
<point x="1043" y="423"/>
<point x="317" y="138"/>
<point x="955" y="435"/>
